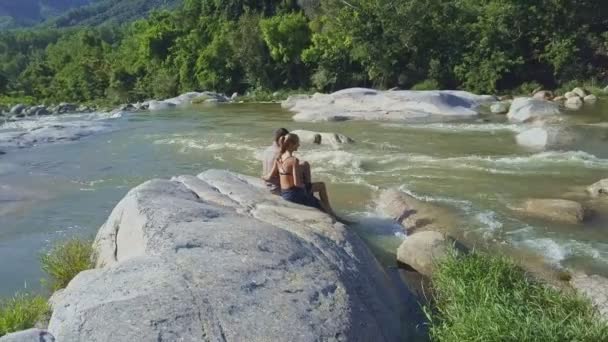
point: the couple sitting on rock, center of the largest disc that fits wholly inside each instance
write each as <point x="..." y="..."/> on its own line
<point x="287" y="177"/>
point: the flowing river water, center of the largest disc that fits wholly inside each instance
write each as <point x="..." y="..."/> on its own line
<point x="63" y="177"/>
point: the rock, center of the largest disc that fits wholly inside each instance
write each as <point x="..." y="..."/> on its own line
<point x="580" y="92"/>
<point x="599" y="189"/>
<point x="322" y="138"/>
<point x="160" y="105"/>
<point x="17" y="109"/>
<point x="234" y="96"/>
<point x="31" y="335"/>
<point x="574" y="103"/>
<point x="218" y="258"/>
<point x="543" y="137"/>
<point x="413" y="213"/>
<point x="65" y="107"/>
<point x="606" y="89"/>
<point x="558" y="210"/>
<point x="595" y="288"/>
<point x="370" y="104"/>
<point x="569" y="95"/>
<point x="559" y="99"/>
<point x="590" y="99"/>
<point x="505" y="98"/>
<point x="196" y="97"/>
<point x="500" y="107"/>
<point x="525" y="109"/>
<point x="543" y="95"/>
<point x="422" y="251"/>
<point x="276" y="94"/>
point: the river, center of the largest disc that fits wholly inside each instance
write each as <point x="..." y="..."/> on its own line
<point x="61" y="176"/>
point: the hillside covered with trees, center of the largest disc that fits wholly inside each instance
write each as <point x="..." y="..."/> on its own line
<point x="239" y="45"/>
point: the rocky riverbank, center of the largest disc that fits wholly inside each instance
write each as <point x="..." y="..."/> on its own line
<point x="215" y="257"/>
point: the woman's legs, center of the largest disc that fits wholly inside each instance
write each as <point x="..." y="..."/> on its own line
<point x="322" y="190"/>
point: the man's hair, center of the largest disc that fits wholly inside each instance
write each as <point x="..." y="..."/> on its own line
<point x="279" y="133"/>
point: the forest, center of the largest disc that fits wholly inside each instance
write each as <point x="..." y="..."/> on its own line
<point x="484" y="46"/>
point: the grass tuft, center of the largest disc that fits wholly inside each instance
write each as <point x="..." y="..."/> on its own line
<point x="488" y="298"/>
<point x="64" y="261"/>
<point x="21" y="312"/>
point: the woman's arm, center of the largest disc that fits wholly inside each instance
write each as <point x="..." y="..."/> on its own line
<point x="296" y="172"/>
<point x="272" y="172"/>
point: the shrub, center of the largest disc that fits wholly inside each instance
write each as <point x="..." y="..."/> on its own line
<point x="64" y="261"/>
<point x="486" y="298"/>
<point x="21" y="312"/>
<point x="426" y="85"/>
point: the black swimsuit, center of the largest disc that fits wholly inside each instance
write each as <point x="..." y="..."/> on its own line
<point x="299" y="195"/>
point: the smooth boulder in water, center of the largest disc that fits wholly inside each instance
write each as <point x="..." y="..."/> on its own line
<point x="599" y="189"/>
<point x="500" y="107"/>
<point x="525" y="109"/>
<point x="17" y="109"/>
<point x="412" y="213"/>
<point x="590" y="99"/>
<point x="217" y="257"/>
<point x="539" y="138"/>
<point x="574" y="103"/>
<point x="559" y="210"/>
<point x="422" y="251"/>
<point x="399" y="105"/>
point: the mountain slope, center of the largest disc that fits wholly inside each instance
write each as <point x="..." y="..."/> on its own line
<point x="15" y="13"/>
<point x="114" y="11"/>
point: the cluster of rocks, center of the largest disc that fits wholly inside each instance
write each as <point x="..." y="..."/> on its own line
<point x="427" y="242"/>
<point x="192" y="98"/>
<point x="21" y="110"/>
<point x="572" y="100"/>
<point x="218" y="258"/>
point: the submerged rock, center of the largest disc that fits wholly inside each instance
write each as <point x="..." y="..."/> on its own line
<point x="31" y="335"/>
<point x="545" y="137"/>
<point x="574" y="103"/>
<point x="322" y="138"/>
<point x="413" y="213"/>
<point x="525" y="109"/>
<point x="555" y="210"/>
<point x="422" y="251"/>
<point x="401" y="105"/>
<point x="218" y="258"/>
<point x="590" y="99"/>
<point x="599" y="189"/>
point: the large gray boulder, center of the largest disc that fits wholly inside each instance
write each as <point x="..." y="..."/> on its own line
<point x="402" y="105"/>
<point x="574" y="103"/>
<point x="525" y="109"/>
<point x="322" y="138"/>
<point x="423" y="251"/>
<point x="218" y="258"/>
<point x="559" y="210"/>
<point x="31" y="335"/>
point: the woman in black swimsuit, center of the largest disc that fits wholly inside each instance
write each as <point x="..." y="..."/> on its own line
<point x="293" y="189"/>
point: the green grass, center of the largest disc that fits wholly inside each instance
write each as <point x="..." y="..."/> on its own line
<point x="21" y="312"/>
<point x="427" y="85"/>
<point x="487" y="298"/>
<point x="64" y="261"/>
